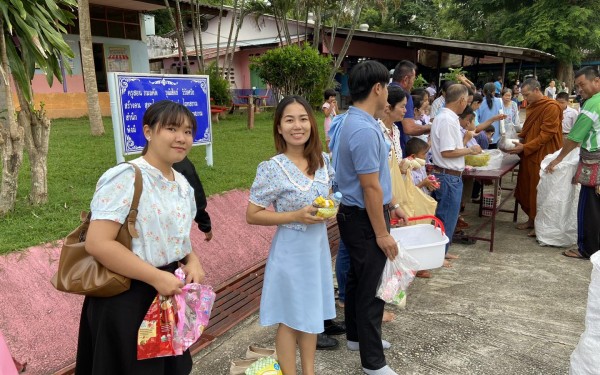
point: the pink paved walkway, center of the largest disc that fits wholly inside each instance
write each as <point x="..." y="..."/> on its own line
<point x="40" y="324"/>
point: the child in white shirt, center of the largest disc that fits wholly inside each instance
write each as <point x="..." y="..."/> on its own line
<point x="569" y="114"/>
<point x="417" y="149"/>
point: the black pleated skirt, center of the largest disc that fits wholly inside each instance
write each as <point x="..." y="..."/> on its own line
<point x="108" y="331"/>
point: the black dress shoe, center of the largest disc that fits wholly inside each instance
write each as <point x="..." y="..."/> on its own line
<point x="325" y="342"/>
<point x="335" y="328"/>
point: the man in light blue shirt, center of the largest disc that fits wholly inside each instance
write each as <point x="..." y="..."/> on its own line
<point x="363" y="177"/>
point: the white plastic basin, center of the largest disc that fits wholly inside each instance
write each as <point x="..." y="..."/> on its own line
<point x="423" y="242"/>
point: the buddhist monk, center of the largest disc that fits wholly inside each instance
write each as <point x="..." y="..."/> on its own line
<point x="541" y="135"/>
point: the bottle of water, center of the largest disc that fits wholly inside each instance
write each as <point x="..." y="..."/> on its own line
<point x="336" y="198"/>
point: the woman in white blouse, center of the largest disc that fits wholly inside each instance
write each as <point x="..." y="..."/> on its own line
<point x="109" y="326"/>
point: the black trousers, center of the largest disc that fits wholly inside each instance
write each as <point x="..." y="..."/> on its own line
<point x="108" y="331"/>
<point x="588" y="221"/>
<point x="363" y="311"/>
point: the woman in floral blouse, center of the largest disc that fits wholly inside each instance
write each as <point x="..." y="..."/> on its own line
<point x="109" y="326"/>
<point x="298" y="288"/>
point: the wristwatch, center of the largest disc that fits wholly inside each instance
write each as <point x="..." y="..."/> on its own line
<point x="392" y="208"/>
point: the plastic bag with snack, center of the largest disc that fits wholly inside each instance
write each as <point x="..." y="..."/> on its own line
<point x="193" y="310"/>
<point x="397" y="276"/>
<point x="155" y="335"/>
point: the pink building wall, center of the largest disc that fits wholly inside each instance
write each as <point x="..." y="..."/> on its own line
<point x="242" y="65"/>
<point x="74" y="84"/>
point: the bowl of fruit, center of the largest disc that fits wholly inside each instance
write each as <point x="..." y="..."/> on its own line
<point x="327" y="207"/>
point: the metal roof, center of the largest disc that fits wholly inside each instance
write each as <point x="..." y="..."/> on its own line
<point x="139" y="5"/>
<point x="210" y="50"/>
<point x="457" y="47"/>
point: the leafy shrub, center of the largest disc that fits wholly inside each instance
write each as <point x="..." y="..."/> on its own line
<point x="219" y="86"/>
<point x="295" y="70"/>
<point x="420" y="82"/>
<point x="453" y="74"/>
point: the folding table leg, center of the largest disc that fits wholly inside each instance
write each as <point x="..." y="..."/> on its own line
<point x="494" y="205"/>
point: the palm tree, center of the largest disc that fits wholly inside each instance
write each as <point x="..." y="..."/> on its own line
<point x="357" y="8"/>
<point x="219" y="33"/>
<point x="30" y="34"/>
<point x="279" y="9"/>
<point x="89" y="71"/>
<point x="240" y="20"/>
<point x="197" y="33"/>
<point x="178" y="24"/>
<point x="234" y="16"/>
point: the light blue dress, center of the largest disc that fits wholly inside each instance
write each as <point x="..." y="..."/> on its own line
<point x="298" y="285"/>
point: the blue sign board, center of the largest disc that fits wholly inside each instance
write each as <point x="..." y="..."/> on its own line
<point x="131" y="94"/>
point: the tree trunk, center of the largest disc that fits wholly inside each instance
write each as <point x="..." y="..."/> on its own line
<point x="298" y="22"/>
<point x="278" y="30"/>
<point x="89" y="71"/>
<point x="219" y="34"/>
<point x="317" y="28"/>
<point x="306" y="24"/>
<point x="235" y="39"/>
<point x="180" y="36"/>
<point x="564" y="73"/>
<point x="340" y="57"/>
<point x="178" y="25"/>
<point x="195" y="29"/>
<point x="286" y="28"/>
<point x="234" y="17"/>
<point x="36" y="126"/>
<point x="11" y="135"/>
<point x="199" y="28"/>
<point x="334" y="26"/>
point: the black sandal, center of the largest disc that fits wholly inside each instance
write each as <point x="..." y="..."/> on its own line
<point x="573" y="254"/>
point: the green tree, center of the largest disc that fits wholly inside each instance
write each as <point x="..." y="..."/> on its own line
<point x="30" y="37"/>
<point x="219" y="87"/>
<point x="414" y="17"/>
<point x="162" y="21"/>
<point x="294" y="70"/>
<point x="566" y="29"/>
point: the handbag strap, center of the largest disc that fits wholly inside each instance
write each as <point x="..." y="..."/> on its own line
<point x="138" y="186"/>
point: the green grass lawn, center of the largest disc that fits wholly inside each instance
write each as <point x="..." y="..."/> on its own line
<point x="76" y="160"/>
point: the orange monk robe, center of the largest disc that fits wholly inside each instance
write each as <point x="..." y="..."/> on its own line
<point x="542" y="134"/>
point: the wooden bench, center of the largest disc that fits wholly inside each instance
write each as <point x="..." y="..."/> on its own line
<point x="215" y="110"/>
<point x="333" y="235"/>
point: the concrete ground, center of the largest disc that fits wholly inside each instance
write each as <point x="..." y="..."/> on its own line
<point x="518" y="310"/>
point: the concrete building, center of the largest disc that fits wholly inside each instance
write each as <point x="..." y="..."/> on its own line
<point x="119" y="44"/>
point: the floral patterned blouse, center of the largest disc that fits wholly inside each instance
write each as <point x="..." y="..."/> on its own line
<point x="392" y="136"/>
<point x="512" y="113"/>
<point x="165" y="211"/>
<point x="279" y="182"/>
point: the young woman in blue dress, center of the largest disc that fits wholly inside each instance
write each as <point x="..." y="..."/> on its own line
<point x="298" y="288"/>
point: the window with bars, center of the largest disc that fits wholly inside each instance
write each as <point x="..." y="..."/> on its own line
<point x="112" y="23"/>
<point x="229" y="75"/>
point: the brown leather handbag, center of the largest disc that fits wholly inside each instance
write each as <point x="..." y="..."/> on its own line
<point x="79" y="272"/>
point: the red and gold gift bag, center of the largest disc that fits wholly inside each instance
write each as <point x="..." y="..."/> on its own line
<point x="155" y="335"/>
